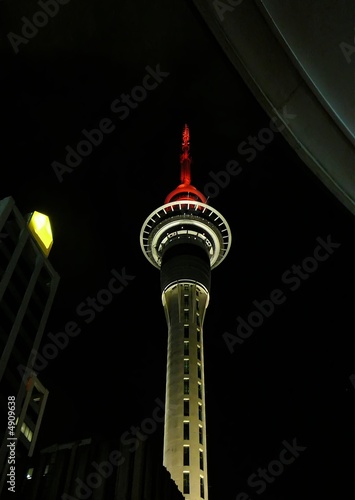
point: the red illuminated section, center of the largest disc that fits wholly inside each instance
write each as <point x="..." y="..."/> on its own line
<point x="185" y="160"/>
<point x="185" y="191"/>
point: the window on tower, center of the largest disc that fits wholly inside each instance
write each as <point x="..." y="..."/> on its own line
<point x="201" y="459"/>
<point x="186" y="348"/>
<point x="186" y="317"/>
<point x="186" y="366"/>
<point x="198" y="333"/>
<point x="186" y="456"/>
<point x="199" y="390"/>
<point x="200" y="412"/>
<point x="187" y="430"/>
<point x="202" y="488"/>
<point x="186" y="386"/>
<point x="186" y="408"/>
<point x="186" y="482"/>
<point x="199" y="353"/>
<point x="199" y="371"/>
<point x="200" y="434"/>
<point x="186" y="332"/>
<point x="186" y="301"/>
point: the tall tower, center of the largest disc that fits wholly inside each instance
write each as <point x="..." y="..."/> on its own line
<point x="185" y="238"/>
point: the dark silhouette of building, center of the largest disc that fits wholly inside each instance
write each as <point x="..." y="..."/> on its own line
<point x="126" y="468"/>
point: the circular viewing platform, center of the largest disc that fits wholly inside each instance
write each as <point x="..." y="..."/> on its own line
<point x="185" y="221"/>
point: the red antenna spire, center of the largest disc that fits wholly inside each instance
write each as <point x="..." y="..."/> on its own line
<point x="185" y="160"/>
<point x="185" y="191"/>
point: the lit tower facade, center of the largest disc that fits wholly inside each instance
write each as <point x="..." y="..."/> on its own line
<point x="185" y="238"/>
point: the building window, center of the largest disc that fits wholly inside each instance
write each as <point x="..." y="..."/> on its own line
<point x="200" y="412"/>
<point x="186" y="367"/>
<point x="198" y="320"/>
<point x="202" y="488"/>
<point x="29" y="473"/>
<point x="198" y="335"/>
<point x="186" y="317"/>
<point x="199" y="389"/>
<point x="186" y="482"/>
<point x="186" y="456"/>
<point x="186" y="348"/>
<point x="26" y="431"/>
<point x="199" y="353"/>
<point x="199" y="371"/>
<point x="187" y="430"/>
<point x="201" y="460"/>
<point x="186" y="332"/>
<point x="186" y="407"/>
<point x="197" y="304"/>
<point x="186" y="386"/>
<point x="186" y="301"/>
<point x="200" y="435"/>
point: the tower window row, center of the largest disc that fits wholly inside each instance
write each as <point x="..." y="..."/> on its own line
<point x="187" y="368"/>
<point x="187" y="409"/>
<point x="186" y="432"/>
<point x="186" y="484"/>
<point x="186" y="457"/>
<point x="186" y="312"/>
<point x="187" y="350"/>
<point x="187" y="388"/>
<point x="186" y="333"/>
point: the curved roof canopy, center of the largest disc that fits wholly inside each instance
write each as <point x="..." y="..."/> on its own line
<point x="298" y="59"/>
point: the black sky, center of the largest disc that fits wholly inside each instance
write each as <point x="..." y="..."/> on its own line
<point x="292" y="378"/>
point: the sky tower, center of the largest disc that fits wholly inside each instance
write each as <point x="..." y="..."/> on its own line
<point x="185" y="238"/>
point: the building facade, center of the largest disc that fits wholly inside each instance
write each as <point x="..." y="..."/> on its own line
<point x="28" y="284"/>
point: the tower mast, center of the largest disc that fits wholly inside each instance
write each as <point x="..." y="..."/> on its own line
<point x="185" y="160"/>
<point x="185" y="238"/>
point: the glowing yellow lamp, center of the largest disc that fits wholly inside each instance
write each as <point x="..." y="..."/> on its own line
<point x="40" y="226"/>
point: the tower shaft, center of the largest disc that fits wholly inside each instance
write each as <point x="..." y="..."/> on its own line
<point x="185" y="453"/>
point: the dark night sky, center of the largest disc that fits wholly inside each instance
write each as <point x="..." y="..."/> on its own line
<point x="291" y="379"/>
